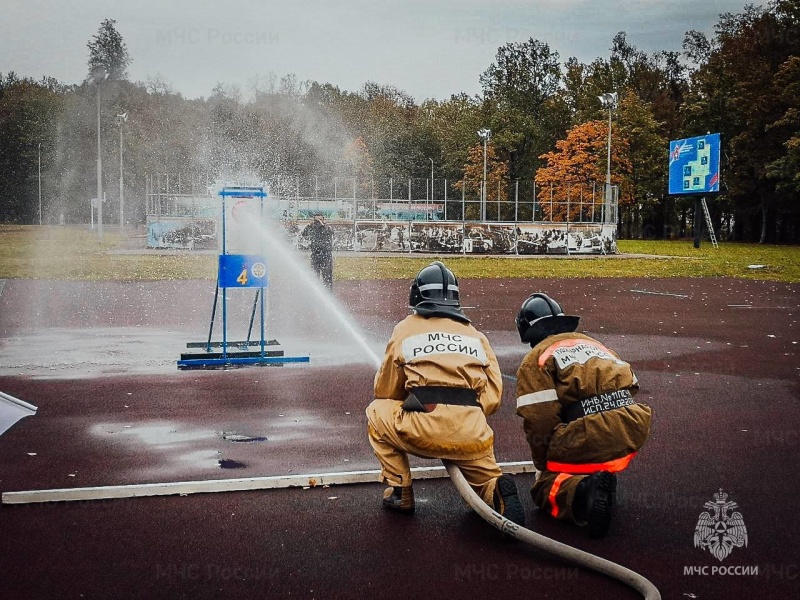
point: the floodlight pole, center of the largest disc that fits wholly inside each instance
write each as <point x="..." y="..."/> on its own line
<point x="40" y="184"/>
<point x="609" y="100"/>
<point x="430" y="159"/>
<point x="98" y="75"/>
<point x="121" y="119"/>
<point x="484" y="134"/>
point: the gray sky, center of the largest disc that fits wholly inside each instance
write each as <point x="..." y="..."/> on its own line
<point x="430" y="49"/>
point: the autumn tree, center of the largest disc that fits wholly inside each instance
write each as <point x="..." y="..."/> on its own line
<point x="575" y="167"/>
<point x="521" y="103"/>
<point x="358" y="161"/>
<point x="496" y="179"/>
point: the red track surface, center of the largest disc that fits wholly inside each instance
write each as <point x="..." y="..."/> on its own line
<point x="717" y="360"/>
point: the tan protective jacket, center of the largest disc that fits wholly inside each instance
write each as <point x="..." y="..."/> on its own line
<point x="566" y="368"/>
<point x="438" y="351"/>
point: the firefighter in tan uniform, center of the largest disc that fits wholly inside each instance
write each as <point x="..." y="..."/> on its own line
<point x="580" y="418"/>
<point x="438" y="381"/>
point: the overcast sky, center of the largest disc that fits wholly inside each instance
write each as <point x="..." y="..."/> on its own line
<point x="428" y="48"/>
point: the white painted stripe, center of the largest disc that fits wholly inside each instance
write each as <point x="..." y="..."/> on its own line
<point x="537" y="397"/>
<point x="230" y="485"/>
<point x="660" y="293"/>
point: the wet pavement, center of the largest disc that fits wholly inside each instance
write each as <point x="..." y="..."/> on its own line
<point x="717" y="360"/>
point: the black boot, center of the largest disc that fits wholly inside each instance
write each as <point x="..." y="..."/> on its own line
<point x="400" y="499"/>
<point x="594" y="499"/>
<point x="506" y="500"/>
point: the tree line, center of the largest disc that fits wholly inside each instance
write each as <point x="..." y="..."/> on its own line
<point x="545" y="115"/>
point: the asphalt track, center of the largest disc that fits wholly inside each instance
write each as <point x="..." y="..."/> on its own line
<point x="717" y="360"/>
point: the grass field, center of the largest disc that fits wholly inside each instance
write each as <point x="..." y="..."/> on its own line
<point x="49" y="252"/>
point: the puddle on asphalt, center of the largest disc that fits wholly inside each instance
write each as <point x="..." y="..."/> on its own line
<point x="154" y="433"/>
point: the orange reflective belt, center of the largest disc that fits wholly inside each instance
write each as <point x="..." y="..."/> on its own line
<point x="554" y="490"/>
<point x="612" y="466"/>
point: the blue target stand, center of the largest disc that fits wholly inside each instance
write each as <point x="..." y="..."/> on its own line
<point x="242" y="272"/>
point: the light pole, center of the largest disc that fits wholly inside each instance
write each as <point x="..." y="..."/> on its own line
<point x="40" y="184"/>
<point x="484" y="134"/>
<point x="608" y="100"/>
<point x="121" y="119"/>
<point x="430" y="159"/>
<point x="98" y="75"/>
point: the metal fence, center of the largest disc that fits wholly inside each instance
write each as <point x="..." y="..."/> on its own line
<point x="405" y="215"/>
<point x="408" y="199"/>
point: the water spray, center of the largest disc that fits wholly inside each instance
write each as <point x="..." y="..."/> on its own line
<point x="288" y="255"/>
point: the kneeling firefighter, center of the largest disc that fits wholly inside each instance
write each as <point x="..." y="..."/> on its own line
<point x="438" y="381"/>
<point x="580" y="418"/>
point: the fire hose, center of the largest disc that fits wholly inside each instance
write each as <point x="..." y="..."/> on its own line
<point x="541" y="542"/>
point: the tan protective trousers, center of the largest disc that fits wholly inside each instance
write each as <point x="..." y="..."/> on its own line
<point x="392" y="452"/>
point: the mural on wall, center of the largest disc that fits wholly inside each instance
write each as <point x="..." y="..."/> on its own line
<point x="184" y="222"/>
<point x="192" y="224"/>
<point x="182" y="233"/>
<point x="434" y="237"/>
<point x="401" y="217"/>
<point x="441" y="237"/>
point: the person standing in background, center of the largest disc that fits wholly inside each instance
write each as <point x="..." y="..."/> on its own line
<point x="320" y="236"/>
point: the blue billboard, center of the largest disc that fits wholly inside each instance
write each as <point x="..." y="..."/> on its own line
<point x="694" y="165"/>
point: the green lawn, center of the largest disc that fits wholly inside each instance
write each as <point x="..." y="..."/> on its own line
<point x="49" y="252"/>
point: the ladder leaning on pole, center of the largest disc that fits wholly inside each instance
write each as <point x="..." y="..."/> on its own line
<point x="710" y="224"/>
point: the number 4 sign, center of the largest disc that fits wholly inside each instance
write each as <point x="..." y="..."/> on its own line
<point x="242" y="270"/>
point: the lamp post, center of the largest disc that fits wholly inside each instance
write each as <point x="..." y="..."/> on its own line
<point x="98" y="75"/>
<point x="40" y="184"/>
<point x="484" y="134"/>
<point x="608" y="100"/>
<point x="121" y="119"/>
<point x="430" y="159"/>
<point x="429" y="208"/>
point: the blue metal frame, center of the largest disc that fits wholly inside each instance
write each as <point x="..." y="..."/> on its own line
<point x="233" y="359"/>
<point x="248" y="360"/>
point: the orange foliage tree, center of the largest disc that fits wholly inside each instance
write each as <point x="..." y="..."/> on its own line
<point x="358" y="161"/>
<point x="577" y="167"/>
<point x="496" y="175"/>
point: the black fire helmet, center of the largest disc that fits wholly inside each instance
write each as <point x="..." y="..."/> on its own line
<point x="434" y="293"/>
<point x="540" y="316"/>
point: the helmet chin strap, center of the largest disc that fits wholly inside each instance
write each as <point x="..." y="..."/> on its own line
<point x="445" y="278"/>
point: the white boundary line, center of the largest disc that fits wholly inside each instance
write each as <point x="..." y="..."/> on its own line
<point x="660" y="293"/>
<point x="229" y="485"/>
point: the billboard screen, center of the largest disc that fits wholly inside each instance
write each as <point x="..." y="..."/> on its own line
<point x="694" y="165"/>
